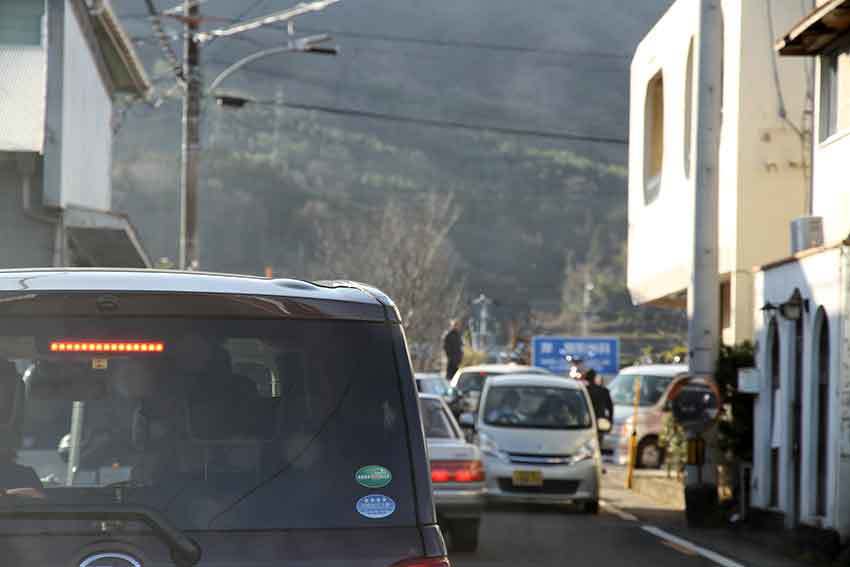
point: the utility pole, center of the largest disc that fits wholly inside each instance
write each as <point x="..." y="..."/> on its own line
<point x="483" y="335"/>
<point x="191" y="148"/>
<point x="585" y="310"/>
<point x="703" y="292"/>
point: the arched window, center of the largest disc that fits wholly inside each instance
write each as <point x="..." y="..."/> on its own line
<point x="822" y="409"/>
<point x="773" y="372"/>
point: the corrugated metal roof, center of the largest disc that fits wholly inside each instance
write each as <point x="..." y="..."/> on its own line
<point x="23" y="80"/>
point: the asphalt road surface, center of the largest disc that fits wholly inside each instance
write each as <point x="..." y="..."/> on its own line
<point x="544" y="537"/>
<point x="630" y="530"/>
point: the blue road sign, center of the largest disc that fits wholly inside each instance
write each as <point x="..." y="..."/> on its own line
<point x="600" y="353"/>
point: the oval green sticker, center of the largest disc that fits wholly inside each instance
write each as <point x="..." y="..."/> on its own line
<point x="373" y="476"/>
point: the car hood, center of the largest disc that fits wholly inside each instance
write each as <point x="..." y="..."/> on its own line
<point x="538" y="441"/>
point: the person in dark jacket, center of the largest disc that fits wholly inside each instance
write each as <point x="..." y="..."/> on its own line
<point x="453" y="347"/>
<point x="600" y="397"/>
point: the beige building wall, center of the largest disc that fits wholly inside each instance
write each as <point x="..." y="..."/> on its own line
<point x="762" y="180"/>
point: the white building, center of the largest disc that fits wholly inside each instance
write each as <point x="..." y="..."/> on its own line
<point x="763" y="161"/>
<point x="63" y="65"/>
<point x="801" y="308"/>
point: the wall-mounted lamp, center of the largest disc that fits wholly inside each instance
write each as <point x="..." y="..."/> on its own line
<point x="793" y="309"/>
<point x="768" y="311"/>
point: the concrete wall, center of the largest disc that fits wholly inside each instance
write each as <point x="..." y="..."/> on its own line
<point x="24" y="71"/>
<point x="820" y="278"/>
<point x="762" y="186"/>
<point x="26" y="242"/>
<point x="831" y="196"/>
<point x="86" y="124"/>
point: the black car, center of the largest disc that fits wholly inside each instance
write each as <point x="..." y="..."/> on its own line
<point x="208" y="419"/>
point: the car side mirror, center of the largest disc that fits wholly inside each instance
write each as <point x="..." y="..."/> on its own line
<point x="467" y="420"/>
<point x="603" y="424"/>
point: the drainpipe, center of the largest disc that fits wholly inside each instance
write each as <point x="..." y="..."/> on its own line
<point x="26" y="168"/>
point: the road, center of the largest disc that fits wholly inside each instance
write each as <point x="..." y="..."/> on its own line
<point x="534" y="536"/>
<point x="630" y="530"/>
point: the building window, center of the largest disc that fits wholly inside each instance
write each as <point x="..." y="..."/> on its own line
<point x="20" y="22"/>
<point x="653" y="138"/>
<point x="689" y="111"/>
<point x="773" y="353"/>
<point x="822" y="410"/>
<point x="835" y="93"/>
<point x="726" y="306"/>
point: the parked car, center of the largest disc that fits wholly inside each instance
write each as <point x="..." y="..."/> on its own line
<point x="457" y="474"/>
<point x="468" y="382"/>
<point x="150" y="372"/>
<point x="539" y="439"/>
<point x="656" y="381"/>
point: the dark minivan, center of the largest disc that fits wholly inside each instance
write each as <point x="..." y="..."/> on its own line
<point x="173" y="418"/>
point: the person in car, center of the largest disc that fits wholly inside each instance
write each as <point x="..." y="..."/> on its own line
<point x="15" y="479"/>
<point x="508" y="411"/>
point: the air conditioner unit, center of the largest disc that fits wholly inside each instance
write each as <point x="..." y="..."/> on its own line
<point x="806" y="232"/>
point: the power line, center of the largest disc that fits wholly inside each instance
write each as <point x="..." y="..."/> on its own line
<point x="472" y="44"/>
<point x="487" y="46"/>
<point x="456" y="124"/>
<point x="155" y="18"/>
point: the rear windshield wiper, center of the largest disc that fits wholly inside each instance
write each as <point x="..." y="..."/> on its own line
<point x="185" y="552"/>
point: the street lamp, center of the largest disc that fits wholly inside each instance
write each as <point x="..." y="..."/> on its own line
<point x="309" y="44"/>
<point x="194" y="39"/>
<point x="793" y="309"/>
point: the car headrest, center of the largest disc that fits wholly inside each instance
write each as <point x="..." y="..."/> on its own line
<point x="64" y="380"/>
<point x="11" y="405"/>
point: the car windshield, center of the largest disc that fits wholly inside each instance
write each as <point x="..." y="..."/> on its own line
<point x="435" y="421"/>
<point x="472" y="381"/>
<point x="433" y="385"/>
<point x="536" y="407"/>
<point x="215" y="423"/>
<point x="622" y="389"/>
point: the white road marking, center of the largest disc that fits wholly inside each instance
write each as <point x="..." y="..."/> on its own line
<point x="685" y="544"/>
<point x="617" y="512"/>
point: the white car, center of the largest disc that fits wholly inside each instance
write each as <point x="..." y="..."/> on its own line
<point x="539" y="440"/>
<point x="656" y="382"/>
<point x="457" y="474"/>
<point x="468" y="382"/>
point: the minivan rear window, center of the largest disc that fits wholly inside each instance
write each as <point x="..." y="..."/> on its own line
<point x="233" y="424"/>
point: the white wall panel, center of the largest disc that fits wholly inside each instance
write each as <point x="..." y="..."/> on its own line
<point x="86" y="125"/>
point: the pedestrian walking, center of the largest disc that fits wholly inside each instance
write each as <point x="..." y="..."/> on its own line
<point x="600" y="398"/>
<point x="453" y="347"/>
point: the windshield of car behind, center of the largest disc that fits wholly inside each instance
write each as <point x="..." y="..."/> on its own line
<point x="537" y="407"/>
<point x="622" y="389"/>
<point x="216" y="424"/>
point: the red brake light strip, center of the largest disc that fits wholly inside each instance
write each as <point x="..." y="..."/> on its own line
<point x="102" y="347"/>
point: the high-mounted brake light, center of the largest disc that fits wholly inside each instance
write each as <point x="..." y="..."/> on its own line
<point x="457" y="471"/>
<point x="425" y="562"/>
<point x="102" y="347"/>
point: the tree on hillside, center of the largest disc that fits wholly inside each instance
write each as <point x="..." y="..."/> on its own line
<point x="404" y="250"/>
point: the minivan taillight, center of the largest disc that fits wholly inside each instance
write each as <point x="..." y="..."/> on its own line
<point x="457" y="471"/>
<point x="425" y="562"/>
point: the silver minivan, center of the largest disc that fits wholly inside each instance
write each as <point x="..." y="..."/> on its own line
<point x="656" y="381"/>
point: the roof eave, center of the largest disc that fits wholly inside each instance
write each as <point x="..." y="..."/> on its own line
<point x="125" y="66"/>
<point x="816" y="32"/>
